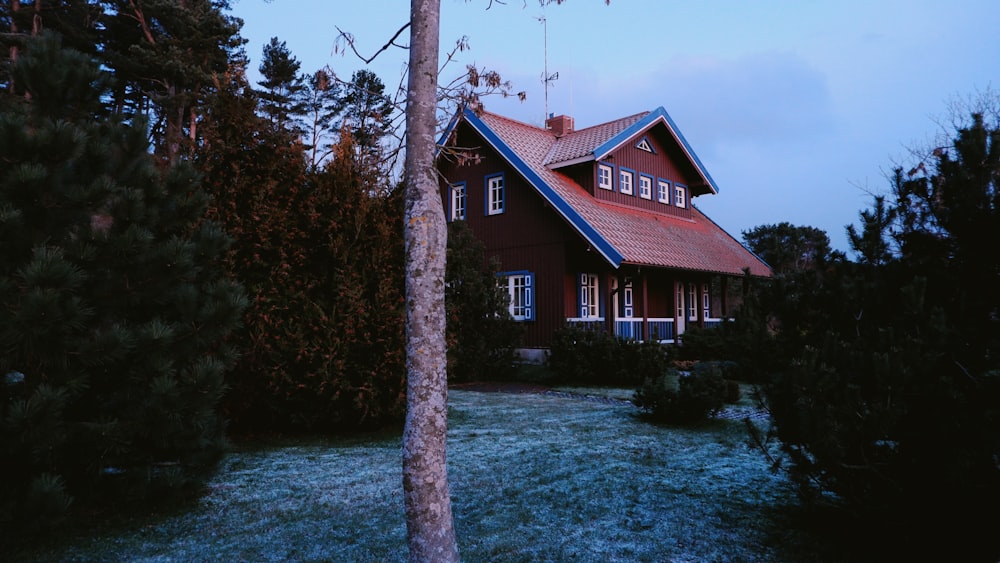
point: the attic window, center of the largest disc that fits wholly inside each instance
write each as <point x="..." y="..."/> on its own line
<point x="645" y="186"/>
<point x="663" y="191"/>
<point x="604" y="173"/>
<point x="680" y="195"/>
<point x="625" y="181"/>
<point x="644" y="145"/>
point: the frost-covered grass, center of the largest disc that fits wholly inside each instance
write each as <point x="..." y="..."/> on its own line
<point x="533" y="478"/>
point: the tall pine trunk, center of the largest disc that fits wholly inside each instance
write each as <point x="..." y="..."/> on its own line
<point x="429" y="524"/>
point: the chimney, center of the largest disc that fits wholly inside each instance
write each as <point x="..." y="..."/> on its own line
<point x="559" y="125"/>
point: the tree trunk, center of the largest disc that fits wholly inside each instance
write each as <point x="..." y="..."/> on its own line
<point x="429" y="525"/>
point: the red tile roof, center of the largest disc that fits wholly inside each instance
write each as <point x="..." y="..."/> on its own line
<point x="582" y="143"/>
<point x="641" y="237"/>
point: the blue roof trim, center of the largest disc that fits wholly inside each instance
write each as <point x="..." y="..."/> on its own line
<point x="650" y="118"/>
<point x="452" y="124"/>
<point x="576" y="220"/>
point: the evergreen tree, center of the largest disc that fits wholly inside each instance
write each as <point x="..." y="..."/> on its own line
<point x="283" y="90"/>
<point x="114" y="312"/>
<point x="481" y="334"/>
<point x="324" y="106"/>
<point x="166" y="56"/>
<point x="367" y="117"/>
<point x="786" y="247"/>
<point x="322" y="259"/>
<point x="890" y="399"/>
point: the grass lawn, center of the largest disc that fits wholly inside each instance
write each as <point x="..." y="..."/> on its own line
<point x="533" y="478"/>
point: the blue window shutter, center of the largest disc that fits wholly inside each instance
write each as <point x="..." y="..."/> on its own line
<point x="583" y="295"/>
<point x="529" y="301"/>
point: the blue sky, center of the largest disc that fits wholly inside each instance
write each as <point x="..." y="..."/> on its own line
<point x="798" y="109"/>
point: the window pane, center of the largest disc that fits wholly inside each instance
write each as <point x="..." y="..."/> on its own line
<point x="495" y="195"/>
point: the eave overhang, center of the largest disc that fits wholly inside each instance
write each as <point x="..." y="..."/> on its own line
<point x="659" y="115"/>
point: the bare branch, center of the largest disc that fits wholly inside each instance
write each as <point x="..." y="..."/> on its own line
<point x="349" y="40"/>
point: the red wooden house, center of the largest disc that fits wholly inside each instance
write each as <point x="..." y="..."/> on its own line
<point x="595" y="225"/>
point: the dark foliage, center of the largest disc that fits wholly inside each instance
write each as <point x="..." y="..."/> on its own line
<point x="683" y="398"/>
<point x="481" y="334"/>
<point x="594" y="357"/>
<point x="114" y="308"/>
<point x="322" y="257"/>
<point x="890" y="397"/>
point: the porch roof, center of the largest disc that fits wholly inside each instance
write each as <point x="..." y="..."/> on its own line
<point x="623" y="235"/>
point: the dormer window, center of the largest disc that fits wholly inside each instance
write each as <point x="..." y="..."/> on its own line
<point x="604" y="176"/>
<point x="663" y="191"/>
<point x="645" y="187"/>
<point x="625" y="180"/>
<point x="680" y="195"/>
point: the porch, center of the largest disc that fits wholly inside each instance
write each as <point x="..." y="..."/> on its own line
<point x="660" y="330"/>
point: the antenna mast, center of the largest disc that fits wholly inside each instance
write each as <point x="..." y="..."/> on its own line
<point x="546" y="77"/>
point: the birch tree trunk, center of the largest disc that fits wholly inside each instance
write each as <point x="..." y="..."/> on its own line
<point x="429" y="526"/>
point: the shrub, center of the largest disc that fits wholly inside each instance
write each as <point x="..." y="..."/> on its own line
<point x="481" y="334"/>
<point x="682" y="399"/>
<point x="594" y="357"/>
<point x="733" y="391"/>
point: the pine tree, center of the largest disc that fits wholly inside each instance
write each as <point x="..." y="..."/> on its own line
<point x="283" y="90"/>
<point x="114" y="312"/>
<point x="323" y="107"/>
<point x="367" y="117"/>
<point x="888" y="398"/>
<point x="166" y="56"/>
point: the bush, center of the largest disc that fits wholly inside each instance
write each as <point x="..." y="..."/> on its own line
<point x="482" y="336"/>
<point x="733" y="392"/>
<point x="594" y="357"/>
<point x="677" y="398"/>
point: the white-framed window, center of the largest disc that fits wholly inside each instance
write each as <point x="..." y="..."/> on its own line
<point x="680" y="195"/>
<point x="706" y="303"/>
<point x="458" y="201"/>
<point x="605" y="173"/>
<point x="628" y="309"/>
<point x="589" y="296"/>
<point x="645" y="187"/>
<point x="625" y="179"/>
<point x="680" y="300"/>
<point x="692" y="302"/>
<point x="495" y="195"/>
<point x="663" y="191"/>
<point x="520" y="288"/>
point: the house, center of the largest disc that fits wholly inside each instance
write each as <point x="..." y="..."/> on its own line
<point x="595" y="226"/>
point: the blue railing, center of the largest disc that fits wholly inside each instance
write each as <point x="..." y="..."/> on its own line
<point x="629" y="328"/>
<point x="661" y="330"/>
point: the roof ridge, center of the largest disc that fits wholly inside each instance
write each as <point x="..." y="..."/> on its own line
<point x="639" y="115"/>
<point x="512" y="120"/>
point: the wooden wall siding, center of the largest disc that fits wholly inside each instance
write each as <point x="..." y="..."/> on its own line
<point x="528" y="235"/>
<point x="667" y="162"/>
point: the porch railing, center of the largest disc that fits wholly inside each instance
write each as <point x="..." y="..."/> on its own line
<point x="660" y="329"/>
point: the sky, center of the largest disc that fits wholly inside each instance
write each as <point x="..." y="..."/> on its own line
<point x="798" y="109"/>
